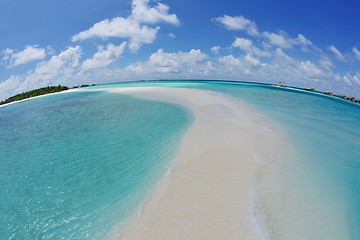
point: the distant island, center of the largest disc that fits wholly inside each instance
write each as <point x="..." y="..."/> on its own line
<point x="39" y="92"/>
<point x="347" y="98"/>
<point x="34" y="93"/>
<point x="59" y="88"/>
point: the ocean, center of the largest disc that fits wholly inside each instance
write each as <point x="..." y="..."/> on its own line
<point x="75" y="165"/>
<point x="316" y="194"/>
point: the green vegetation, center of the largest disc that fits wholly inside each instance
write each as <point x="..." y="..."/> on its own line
<point x="85" y="85"/>
<point x="34" y="93"/>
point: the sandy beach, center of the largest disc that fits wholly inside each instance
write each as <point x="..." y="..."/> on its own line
<point x="210" y="193"/>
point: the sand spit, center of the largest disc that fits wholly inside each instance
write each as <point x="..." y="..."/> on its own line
<point x="209" y="194"/>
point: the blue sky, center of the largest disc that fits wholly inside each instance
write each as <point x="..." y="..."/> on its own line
<point x="304" y="43"/>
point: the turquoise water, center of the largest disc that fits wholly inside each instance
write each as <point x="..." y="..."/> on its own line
<point x="75" y="165"/>
<point x="319" y="192"/>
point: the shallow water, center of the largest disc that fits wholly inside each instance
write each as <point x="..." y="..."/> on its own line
<point x="316" y="194"/>
<point x="74" y="165"/>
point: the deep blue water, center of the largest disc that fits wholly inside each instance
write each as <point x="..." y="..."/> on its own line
<point x="74" y="165"/>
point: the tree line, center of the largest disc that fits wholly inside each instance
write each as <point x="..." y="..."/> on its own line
<point x="34" y="93"/>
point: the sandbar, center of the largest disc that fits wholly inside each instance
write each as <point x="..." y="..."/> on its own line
<point x="210" y="192"/>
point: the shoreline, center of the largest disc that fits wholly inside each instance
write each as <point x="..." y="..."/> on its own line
<point x="35" y="97"/>
<point x="211" y="191"/>
<point x="291" y="193"/>
<point x="327" y="94"/>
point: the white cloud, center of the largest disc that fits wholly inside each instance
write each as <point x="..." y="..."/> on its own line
<point x="252" y="60"/>
<point x="264" y="57"/>
<point x="278" y="66"/>
<point x="162" y="62"/>
<point x="311" y="69"/>
<point x="292" y="71"/>
<point x="281" y="67"/>
<point x="171" y="35"/>
<point x="122" y="28"/>
<point x="248" y="47"/>
<point x="229" y="60"/>
<point x="215" y="49"/>
<point x="143" y="13"/>
<point x="356" y="52"/>
<point x="302" y="40"/>
<point x="9" y="87"/>
<point x="243" y="43"/>
<point x="278" y="40"/>
<point x="29" y="54"/>
<point x="283" y="41"/>
<point x="281" y="56"/>
<point x="339" y="56"/>
<point x="307" y="74"/>
<point x="270" y="40"/>
<point x="60" y="69"/>
<point x="238" y="23"/>
<point x="326" y="62"/>
<point x="132" y="27"/>
<point x="104" y="56"/>
<point x="354" y="79"/>
<point x="241" y="68"/>
<point x="242" y="64"/>
<point x="349" y="79"/>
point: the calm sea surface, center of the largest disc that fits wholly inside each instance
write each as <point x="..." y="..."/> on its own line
<point x="318" y="194"/>
<point x="74" y="165"/>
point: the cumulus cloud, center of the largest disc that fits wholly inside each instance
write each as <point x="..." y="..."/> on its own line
<point x="59" y="69"/>
<point x="280" y="39"/>
<point x="238" y="23"/>
<point x="62" y="63"/>
<point x="302" y="40"/>
<point x="339" y="56"/>
<point x="9" y="87"/>
<point x="245" y="67"/>
<point x="326" y="62"/>
<point x="248" y="47"/>
<point x="239" y="65"/>
<point x="263" y="57"/>
<point x="281" y="68"/>
<point x="243" y="44"/>
<point x="292" y="71"/>
<point x="132" y="27"/>
<point x="14" y="58"/>
<point x="278" y="66"/>
<point x="162" y="62"/>
<point x="121" y="28"/>
<point x="352" y="80"/>
<point x="215" y="49"/>
<point x="356" y="53"/>
<point x="143" y="13"/>
<point x="283" y="41"/>
<point x="104" y="56"/>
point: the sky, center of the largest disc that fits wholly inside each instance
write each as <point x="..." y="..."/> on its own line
<point x="298" y="43"/>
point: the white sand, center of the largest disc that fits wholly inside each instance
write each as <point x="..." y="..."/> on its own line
<point x="27" y="99"/>
<point x="210" y="192"/>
